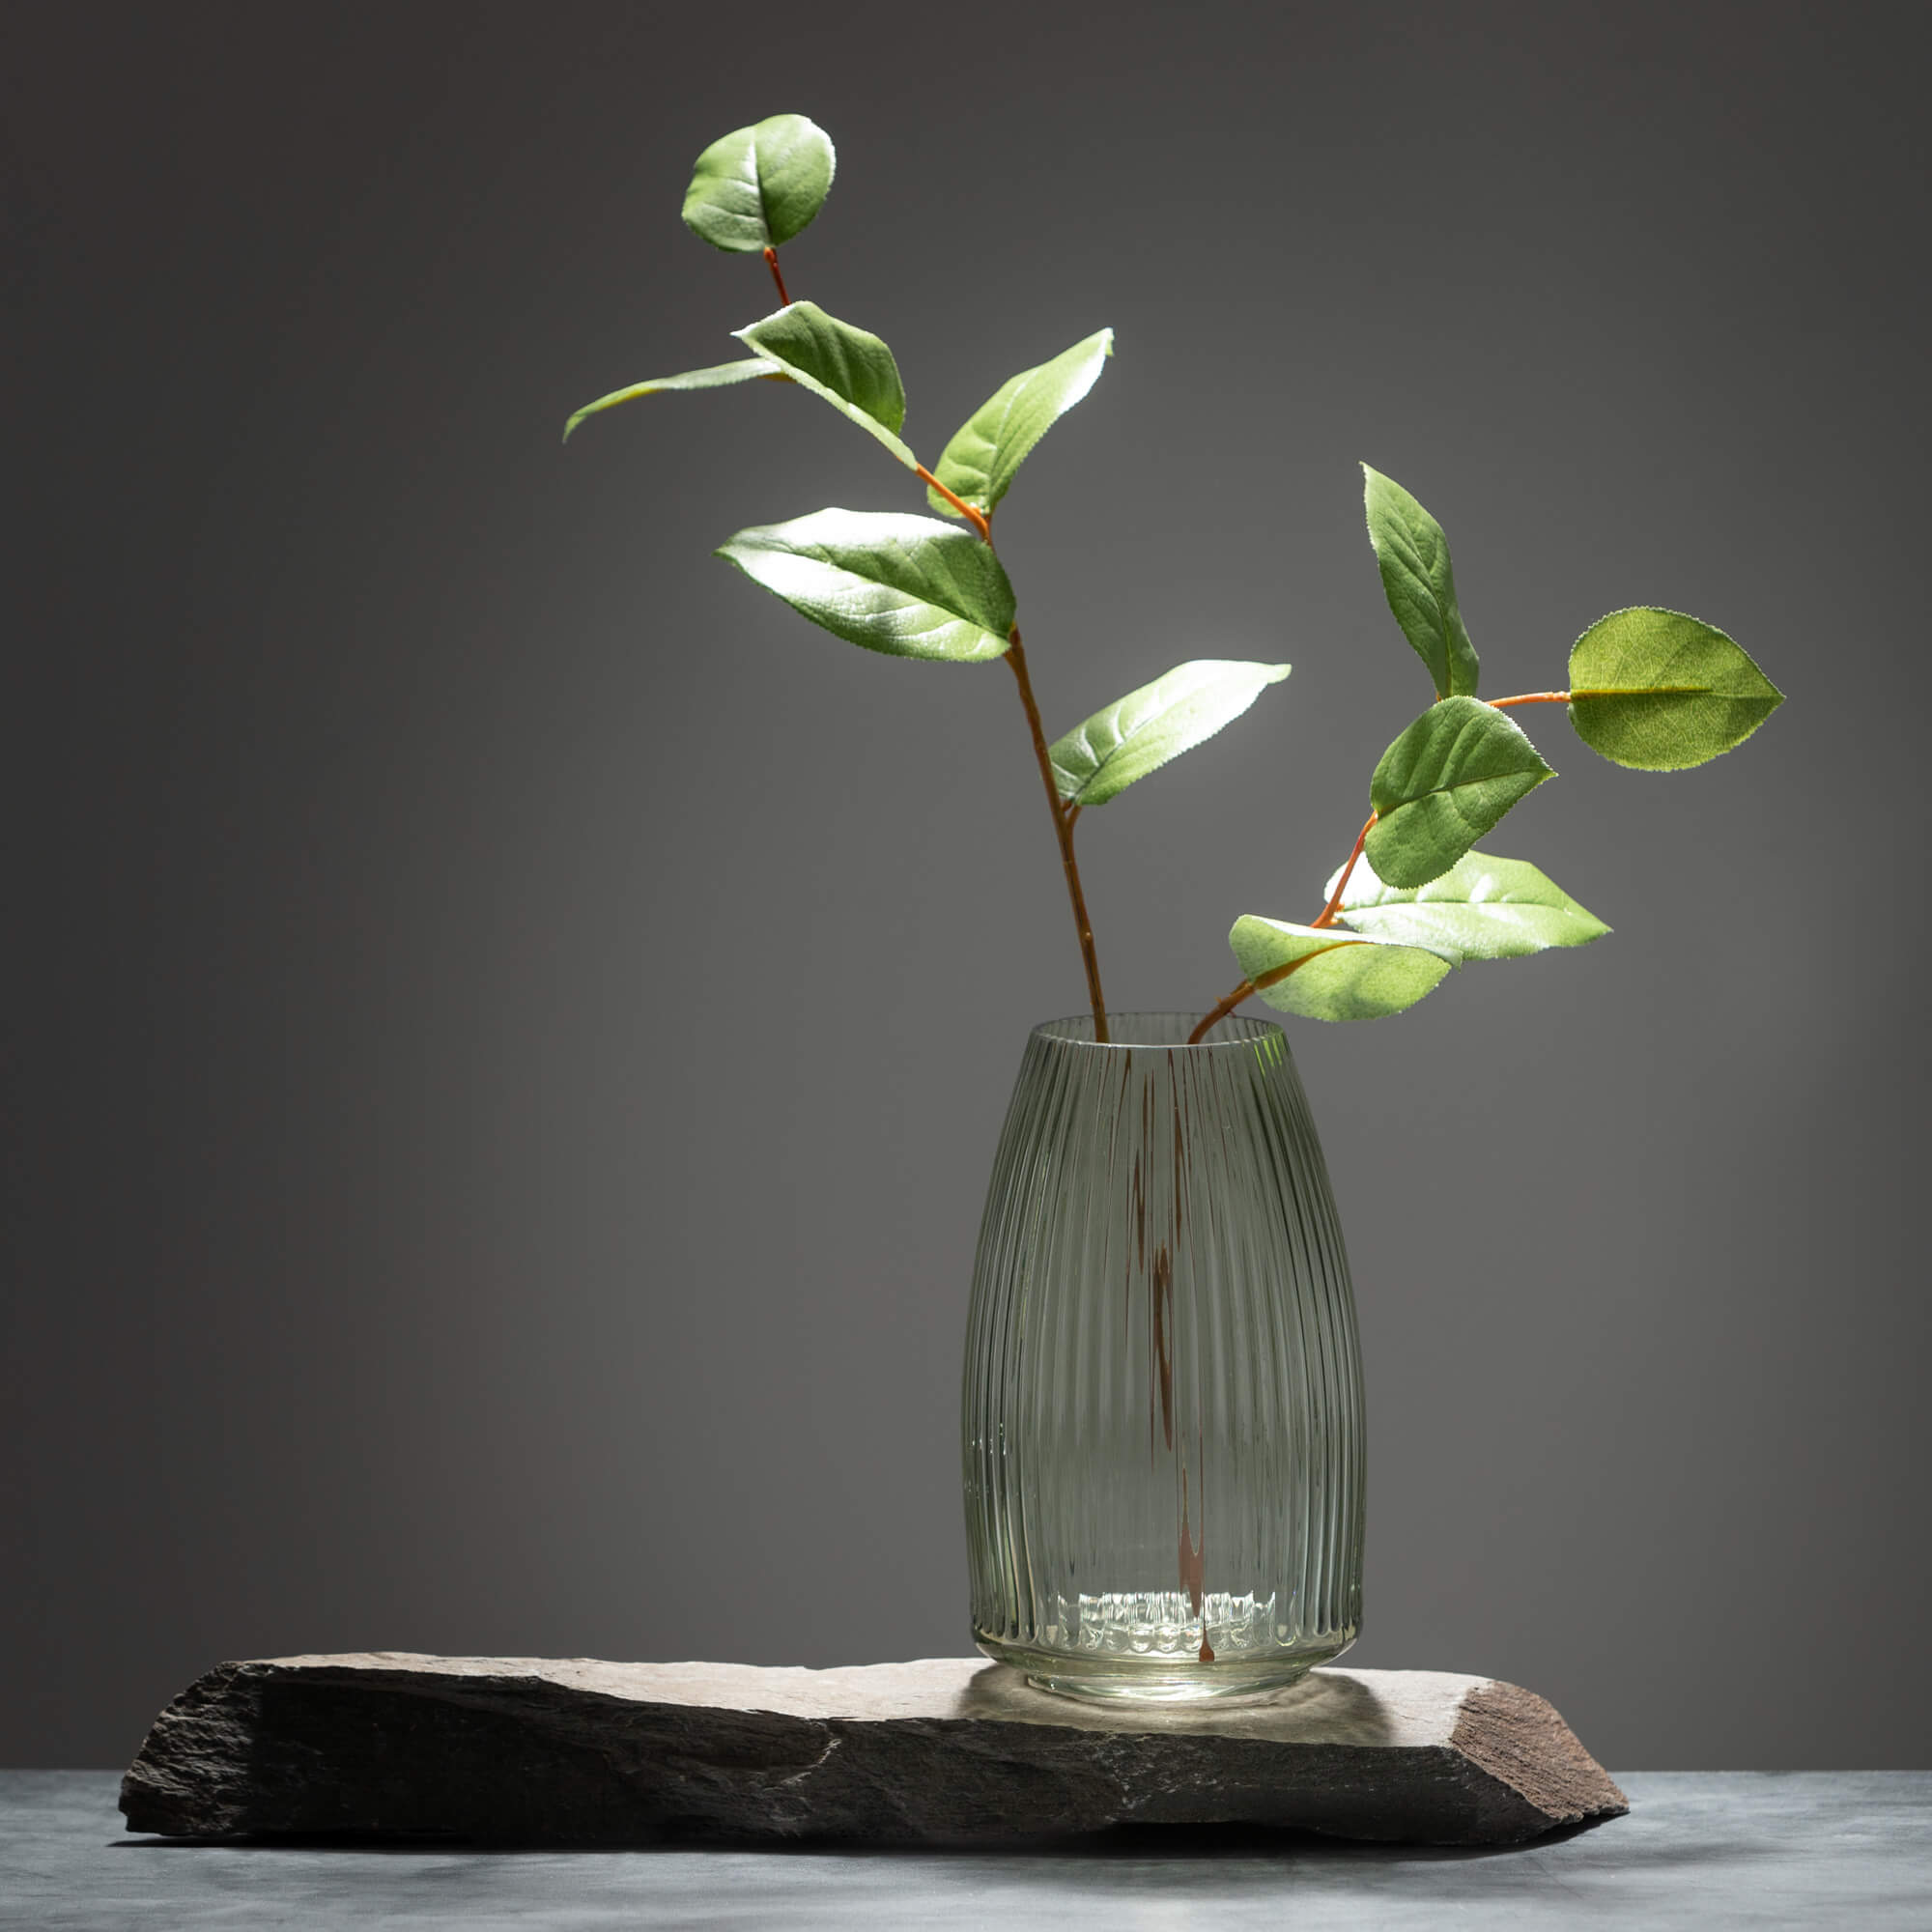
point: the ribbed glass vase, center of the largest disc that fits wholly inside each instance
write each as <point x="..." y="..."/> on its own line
<point x="1162" y="1417"/>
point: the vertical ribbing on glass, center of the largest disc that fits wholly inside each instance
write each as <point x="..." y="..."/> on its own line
<point x="1162" y="1414"/>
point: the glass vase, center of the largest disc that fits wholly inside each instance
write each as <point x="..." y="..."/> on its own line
<point x="1162" y="1416"/>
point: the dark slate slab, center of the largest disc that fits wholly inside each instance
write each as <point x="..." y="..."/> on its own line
<point x="947" y="1750"/>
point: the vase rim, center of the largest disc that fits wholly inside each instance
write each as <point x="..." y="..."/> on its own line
<point x="1155" y="1032"/>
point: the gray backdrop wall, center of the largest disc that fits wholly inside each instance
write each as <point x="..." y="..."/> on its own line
<point x="509" y="1025"/>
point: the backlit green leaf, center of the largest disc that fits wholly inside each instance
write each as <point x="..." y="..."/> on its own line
<point x="910" y="586"/>
<point x="1443" y="783"/>
<point x="852" y="370"/>
<point x="1141" y="731"/>
<point x="1332" y="974"/>
<point x="1482" y="907"/>
<point x="1412" y="554"/>
<point x="722" y="376"/>
<point x="1658" y="691"/>
<point x="760" y="186"/>
<point x="980" y="462"/>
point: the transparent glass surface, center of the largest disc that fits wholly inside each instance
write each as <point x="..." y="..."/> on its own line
<point x="1162" y="1416"/>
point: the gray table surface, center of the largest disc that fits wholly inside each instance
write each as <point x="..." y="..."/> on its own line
<point x="1701" y="1849"/>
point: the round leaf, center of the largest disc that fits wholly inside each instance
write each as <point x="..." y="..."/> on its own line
<point x="1443" y="783"/>
<point x="760" y="186"/>
<point x="1660" y="692"/>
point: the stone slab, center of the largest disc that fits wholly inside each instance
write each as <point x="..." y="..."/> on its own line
<point x="946" y="1750"/>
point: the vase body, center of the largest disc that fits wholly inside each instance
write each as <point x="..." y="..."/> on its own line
<point x="1162" y="1416"/>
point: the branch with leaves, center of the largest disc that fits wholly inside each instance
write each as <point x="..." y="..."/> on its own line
<point x="1649" y="688"/>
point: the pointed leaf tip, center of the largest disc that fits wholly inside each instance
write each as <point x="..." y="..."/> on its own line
<point x="1482" y="907"/>
<point x="1139" y="733"/>
<point x="1412" y="557"/>
<point x="719" y="377"/>
<point x="981" y="462"/>
<point x="850" y="368"/>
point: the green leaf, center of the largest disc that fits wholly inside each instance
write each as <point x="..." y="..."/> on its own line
<point x="1442" y="784"/>
<point x="760" y="186"/>
<point x="910" y="586"/>
<point x="1412" y="554"/>
<point x="980" y="463"/>
<point x="852" y="370"/>
<point x="1140" y="732"/>
<point x="1660" y="692"/>
<point x="1332" y="974"/>
<point x="722" y="376"/>
<point x="1482" y="907"/>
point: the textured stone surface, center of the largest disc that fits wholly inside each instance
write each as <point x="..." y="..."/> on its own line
<point x="944" y="1751"/>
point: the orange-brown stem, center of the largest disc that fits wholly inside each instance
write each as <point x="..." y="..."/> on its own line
<point x="1249" y="987"/>
<point x="772" y="263"/>
<point x="1528" y="697"/>
<point x="1326" y="916"/>
<point x="1222" y="1009"/>
<point x="979" y="519"/>
<point x="1063" y="814"/>
<point x="1063" y="830"/>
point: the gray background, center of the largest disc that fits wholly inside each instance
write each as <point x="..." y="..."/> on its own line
<point x="508" y="1025"/>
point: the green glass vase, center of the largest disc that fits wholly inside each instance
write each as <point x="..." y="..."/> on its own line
<point x="1162" y="1415"/>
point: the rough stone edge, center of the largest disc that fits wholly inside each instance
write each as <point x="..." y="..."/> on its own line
<point x="1521" y="1741"/>
<point x="1523" y="1769"/>
<point x="176" y="1778"/>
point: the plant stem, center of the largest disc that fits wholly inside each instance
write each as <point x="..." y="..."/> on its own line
<point x="1528" y="697"/>
<point x="1063" y="830"/>
<point x="1222" y="1009"/>
<point x="1326" y="916"/>
<point x="1248" y="988"/>
<point x="979" y="519"/>
<point x="772" y="263"/>
<point x="1063" y="815"/>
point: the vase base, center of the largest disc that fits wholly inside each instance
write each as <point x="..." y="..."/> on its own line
<point x="1178" y="1680"/>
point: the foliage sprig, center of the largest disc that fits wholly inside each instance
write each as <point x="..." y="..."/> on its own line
<point x="1650" y="688"/>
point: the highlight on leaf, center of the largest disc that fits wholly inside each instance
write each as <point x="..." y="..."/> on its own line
<point x="1660" y="692"/>
<point x="1326" y="974"/>
<point x="1412" y="556"/>
<point x="1482" y="907"/>
<point x="979" y="465"/>
<point x="905" y="585"/>
<point x="722" y="375"/>
<point x="1444" y="782"/>
<point x="850" y="368"/>
<point x="757" y="186"/>
<point x="1139" y="733"/>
